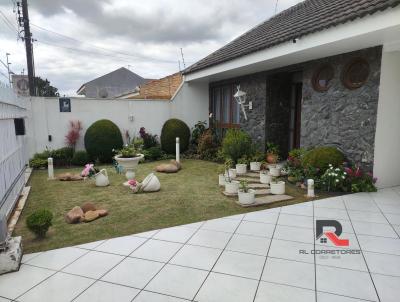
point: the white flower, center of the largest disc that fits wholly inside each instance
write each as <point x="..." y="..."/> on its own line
<point x="337" y="180"/>
<point x="345" y="173"/>
<point x="343" y="177"/>
<point x="330" y="165"/>
<point x="337" y="169"/>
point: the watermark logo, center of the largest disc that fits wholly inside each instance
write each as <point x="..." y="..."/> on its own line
<point x="323" y="232"/>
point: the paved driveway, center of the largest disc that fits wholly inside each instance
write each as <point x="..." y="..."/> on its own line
<point x="270" y="255"/>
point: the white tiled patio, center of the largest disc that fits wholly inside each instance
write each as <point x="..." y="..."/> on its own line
<point x="252" y="257"/>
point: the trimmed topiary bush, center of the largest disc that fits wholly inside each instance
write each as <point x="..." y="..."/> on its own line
<point x="80" y="158"/>
<point x="174" y="128"/>
<point x="152" y="153"/>
<point x="39" y="222"/>
<point x="321" y="157"/>
<point x="101" y="138"/>
<point x="237" y="144"/>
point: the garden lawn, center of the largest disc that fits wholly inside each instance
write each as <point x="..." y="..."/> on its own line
<point x="188" y="196"/>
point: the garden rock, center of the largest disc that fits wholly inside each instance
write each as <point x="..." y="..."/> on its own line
<point x="69" y="177"/>
<point x="90" y="216"/>
<point x="75" y="215"/>
<point x="88" y="206"/>
<point x="102" y="212"/>
<point x="172" y="167"/>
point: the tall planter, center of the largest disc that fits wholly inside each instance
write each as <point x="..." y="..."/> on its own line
<point x="129" y="164"/>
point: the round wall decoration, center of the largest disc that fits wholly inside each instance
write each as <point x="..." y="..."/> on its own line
<point x="355" y="73"/>
<point x="322" y="77"/>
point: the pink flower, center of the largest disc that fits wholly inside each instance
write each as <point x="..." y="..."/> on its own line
<point x="85" y="172"/>
<point x="132" y="182"/>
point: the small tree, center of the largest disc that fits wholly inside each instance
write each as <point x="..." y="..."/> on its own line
<point x="44" y="88"/>
<point x="73" y="134"/>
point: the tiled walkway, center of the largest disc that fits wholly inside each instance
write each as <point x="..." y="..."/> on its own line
<point x="261" y="256"/>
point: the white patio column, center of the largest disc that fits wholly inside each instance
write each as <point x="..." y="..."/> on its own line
<point x="177" y="150"/>
<point x="50" y="168"/>
<point x="310" y="188"/>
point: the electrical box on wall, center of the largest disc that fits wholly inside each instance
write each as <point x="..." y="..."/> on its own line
<point x="19" y="124"/>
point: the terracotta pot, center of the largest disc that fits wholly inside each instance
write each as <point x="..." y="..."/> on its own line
<point x="272" y="158"/>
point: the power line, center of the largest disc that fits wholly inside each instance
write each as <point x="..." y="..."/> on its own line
<point x="8" y="22"/>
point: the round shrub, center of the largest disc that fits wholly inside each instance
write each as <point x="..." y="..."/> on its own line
<point x="152" y="153"/>
<point x="39" y="222"/>
<point x="236" y="144"/>
<point x="80" y="158"/>
<point x="321" y="157"/>
<point x="101" y="138"/>
<point x="38" y="163"/>
<point x="174" y="128"/>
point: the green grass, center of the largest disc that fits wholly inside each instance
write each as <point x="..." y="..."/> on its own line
<point x="188" y="196"/>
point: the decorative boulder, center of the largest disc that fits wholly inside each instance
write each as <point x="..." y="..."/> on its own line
<point x="90" y="216"/>
<point x="102" y="212"/>
<point x="88" y="206"/>
<point x="74" y="216"/>
<point x="69" y="177"/>
<point x="172" y="167"/>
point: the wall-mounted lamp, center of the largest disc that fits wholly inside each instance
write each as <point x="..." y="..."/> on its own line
<point x="240" y="97"/>
<point x="131" y="117"/>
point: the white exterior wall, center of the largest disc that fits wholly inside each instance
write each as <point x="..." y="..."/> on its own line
<point x="387" y="137"/>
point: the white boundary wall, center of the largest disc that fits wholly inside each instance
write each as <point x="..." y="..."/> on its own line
<point x="45" y="118"/>
<point x="13" y="157"/>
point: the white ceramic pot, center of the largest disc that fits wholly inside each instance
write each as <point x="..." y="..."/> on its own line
<point x="241" y="168"/>
<point x="275" y="171"/>
<point x="151" y="183"/>
<point x="255" y="166"/>
<point x="278" y="188"/>
<point x="221" y="180"/>
<point x="265" y="178"/>
<point x="246" y="198"/>
<point x="232" y="173"/>
<point x="232" y="187"/>
<point x="101" y="178"/>
<point x="130" y="162"/>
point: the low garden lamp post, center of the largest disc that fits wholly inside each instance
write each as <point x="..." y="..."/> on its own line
<point x="240" y="98"/>
<point x="50" y="168"/>
<point x="177" y="150"/>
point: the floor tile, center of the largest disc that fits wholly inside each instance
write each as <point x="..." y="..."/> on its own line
<point x="282" y="293"/>
<point x="262" y="216"/>
<point x="383" y="263"/>
<point x="93" y="265"/>
<point x="390" y="209"/>
<point x="222" y="225"/>
<point x="367" y="216"/>
<point x="60" y="287"/>
<point x="157" y="250"/>
<point x="289" y="272"/>
<point x="291" y="250"/>
<point x="347" y="226"/>
<point x="153" y="297"/>
<point x="379" y="244"/>
<point x="239" y="264"/>
<point x="148" y="234"/>
<point x="225" y="288"/>
<point x="325" y="297"/>
<point x="106" y="292"/>
<point x="339" y="257"/>
<point x="90" y="245"/>
<point x="194" y="225"/>
<point x="210" y="239"/>
<point x="393" y="218"/>
<point x="121" y="245"/>
<point x="196" y="257"/>
<point x="331" y="213"/>
<point x="175" y="234"/>
<point x="353" y="242"/>
<point x="388" y="287"/>
<point x="294" y="234"/>
<point x="133" y="272"/>
<point x="331" y="203"/>
<point x="249" y="244"/>
<point x="27" y="257"/>
<point x="57" y="259"/>
<point x="305" y="209"/>
<point x="14" y="284"/>
<point x="4" y="300"/>
<point x="182" y="282"/>
<point x="360" y="205"/>
<point x="255" y="229"/>
<point x="374" y="229"/>
<point x="345" y="282"/>
<point x="235" y="217"/>
<point x="296" y="220"/>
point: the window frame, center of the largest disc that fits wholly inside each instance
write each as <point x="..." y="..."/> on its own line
<point x="233" y="106"/>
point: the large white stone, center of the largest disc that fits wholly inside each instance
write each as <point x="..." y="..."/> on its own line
<point x="10" y="259"/>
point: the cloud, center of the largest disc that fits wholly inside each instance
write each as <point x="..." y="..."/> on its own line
<point x="150" y="32"/>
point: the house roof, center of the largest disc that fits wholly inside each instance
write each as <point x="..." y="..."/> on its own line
<point x="163" y="88"/>
<point x="299" y="20"/>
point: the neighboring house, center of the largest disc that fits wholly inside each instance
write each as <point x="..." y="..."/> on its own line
<point x="318" y="73"/>
<point x="164" y="88"/>
<point x="112" y="84"/>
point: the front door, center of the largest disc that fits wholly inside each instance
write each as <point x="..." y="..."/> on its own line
<point x="297" y="114"/>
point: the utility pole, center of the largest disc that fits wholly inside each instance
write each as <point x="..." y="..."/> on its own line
<point x="28" y="47"/>
<point x="8" y="69"/>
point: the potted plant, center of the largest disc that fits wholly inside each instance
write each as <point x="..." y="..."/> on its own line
<point x="246" y="195"/>
<point x="265" y="177"/>
<point x="101" y="177"/>
<point x="275" y="170"/>
<point x="256" y="161"/>
<point x="221" y="176"/>
<point x="272" y="153"/>
<point x="229" y="171"/>
<point x="231" y="186"/>
<point x="128" y="157"/>
<point x="241" y="166"/>
<point x="277" y="186"/>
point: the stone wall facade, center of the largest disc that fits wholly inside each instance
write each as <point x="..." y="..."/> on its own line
<point x="339" y="117"/>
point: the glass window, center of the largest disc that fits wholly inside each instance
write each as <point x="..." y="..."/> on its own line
<point x="322" y="77"/>
<point x="355" y="73"/>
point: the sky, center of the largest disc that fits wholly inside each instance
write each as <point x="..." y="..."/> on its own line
<point x="79" y="40"/>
